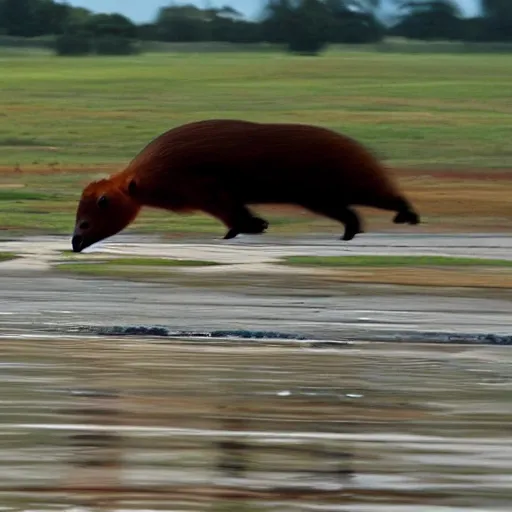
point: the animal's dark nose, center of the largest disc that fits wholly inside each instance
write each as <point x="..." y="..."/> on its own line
<point x="77" y="242"/>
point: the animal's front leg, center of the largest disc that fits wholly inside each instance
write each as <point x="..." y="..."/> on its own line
<point x="248" y="225"/>
<point x="235" y="216"/>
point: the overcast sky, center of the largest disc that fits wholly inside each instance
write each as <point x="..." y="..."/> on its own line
<point x="145" y="10"/>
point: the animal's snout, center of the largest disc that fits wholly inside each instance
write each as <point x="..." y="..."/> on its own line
<point x="77" y="243"/>
<point x="78" y="239"/>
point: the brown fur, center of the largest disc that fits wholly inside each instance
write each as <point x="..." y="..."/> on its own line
<point x="221" y="166"/>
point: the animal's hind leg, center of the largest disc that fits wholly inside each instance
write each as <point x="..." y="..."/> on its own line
<point x="343" y="214"/>
<point x="405" y="212"/>
<point x="352" y="223"/>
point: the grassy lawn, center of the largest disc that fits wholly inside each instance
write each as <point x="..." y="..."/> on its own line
<point x="126" y="267"/>
<point x="413" y="109"/>
<point x="74" y="120"/>
<point x="140" y="261"/>
<point x="7" y="256"/>
<point x="392" y="261"/>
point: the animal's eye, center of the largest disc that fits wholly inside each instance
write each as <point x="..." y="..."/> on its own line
<point x="102" y="201"/>
<point x="84" y="225"/>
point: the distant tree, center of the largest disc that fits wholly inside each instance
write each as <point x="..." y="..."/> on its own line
<point x="303" y="25"/>
<point x="429" y="20"/>
<point x="115" y="45"/>
<point x="104" y="34"/>
<point x="110" y="34"/>
<point x="473" y="29"/>
<point x="274" y="21"/>
<point x="148" y="32"/>
<point x="497" y="20"/>
<point x="228" y="25"/>
<point x="73" y="44"/>
<point x="52" y="16"/>
<point x="31" y="18"/>
<point x="188" y="23"/>
<point x="309" y="27"/>
<point x="354" y="22"/>
<point x="442" y="19"/>
<point x="184" y="23"/>
<point x="497" y="8"/>
<point x="78" y="15"/>
<point x="110" y="25"/>
<point x="17" y="17"/>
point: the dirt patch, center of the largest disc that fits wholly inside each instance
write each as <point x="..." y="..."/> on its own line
<point x="456" y="277"/>
<point x="456" y="173"/>
<point x="245" y="276"/>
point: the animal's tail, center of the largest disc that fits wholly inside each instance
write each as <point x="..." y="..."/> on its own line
<point x="406" y="213"/>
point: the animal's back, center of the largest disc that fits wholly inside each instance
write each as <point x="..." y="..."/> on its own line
<point x="262" y="162"/>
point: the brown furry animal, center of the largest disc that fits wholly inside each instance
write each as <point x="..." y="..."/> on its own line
<point x="221" y="166"/>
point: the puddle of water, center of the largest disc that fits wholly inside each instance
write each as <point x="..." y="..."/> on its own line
<point x="91" y="424"/>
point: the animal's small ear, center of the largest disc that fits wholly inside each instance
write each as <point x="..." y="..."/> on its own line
<point x="132" y="187"/>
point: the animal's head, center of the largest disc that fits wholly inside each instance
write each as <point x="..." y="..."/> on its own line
<point x="106" y="207"/>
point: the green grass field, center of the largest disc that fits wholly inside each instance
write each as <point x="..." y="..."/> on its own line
<point x="392" y="261"/>
<point x="65" y="121"/>
<point x="137" y="262"/>
<point x="129" y="267"/>
<point x="413" y="109"/>
<point x="425" y="269"/>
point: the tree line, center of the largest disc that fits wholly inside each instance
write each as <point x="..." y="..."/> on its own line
<point x="302" y="26"/>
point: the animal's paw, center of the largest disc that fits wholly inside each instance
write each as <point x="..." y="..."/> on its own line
<point x="350" y="234"/>
<point x="251" y="226"/>
<point x="407" y="217"/>
<point x="255" y="226"/>
<point x="232" y="233"/>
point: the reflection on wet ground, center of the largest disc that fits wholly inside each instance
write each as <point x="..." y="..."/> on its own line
<point x="129" y="424"/>
<point x="99" y="416"/>
<point x="35" y="302"/>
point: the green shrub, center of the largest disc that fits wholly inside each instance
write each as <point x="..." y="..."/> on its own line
<point x="115" y="45"/>
<point x="73" y="44"/>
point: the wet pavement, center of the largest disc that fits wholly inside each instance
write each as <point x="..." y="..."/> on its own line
<point x="122" y="424"/>
<point x="34" y="300"/>
<point x="97" y="416"/>
<point x="266" y="248"/>
<point x="32" y="304"/>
